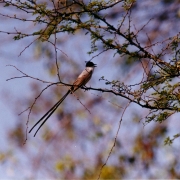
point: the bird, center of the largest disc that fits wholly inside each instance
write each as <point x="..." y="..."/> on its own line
<point x="81" y="80"/>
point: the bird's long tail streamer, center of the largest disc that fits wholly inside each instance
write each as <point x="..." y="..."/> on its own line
<point x="49" y="113"/>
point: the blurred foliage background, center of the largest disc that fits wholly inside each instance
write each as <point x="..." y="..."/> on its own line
<point x="77" y="140"/>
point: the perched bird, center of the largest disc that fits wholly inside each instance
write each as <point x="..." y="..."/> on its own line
<point x="82" y="79"/>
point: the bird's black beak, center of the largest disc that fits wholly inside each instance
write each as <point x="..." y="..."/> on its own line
<point x="95" y="65"/>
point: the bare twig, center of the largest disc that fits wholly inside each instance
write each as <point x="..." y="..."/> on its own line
<point x="28" y="46"/>
<point x="57" y="66"/>
<point x="114" y="144"/>
<point x="25" y="75"/>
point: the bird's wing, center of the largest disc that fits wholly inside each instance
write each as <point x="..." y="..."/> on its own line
<point x="82" y="79"/>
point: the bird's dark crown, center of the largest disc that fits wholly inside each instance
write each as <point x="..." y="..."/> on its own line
<point x="90" y="64"/>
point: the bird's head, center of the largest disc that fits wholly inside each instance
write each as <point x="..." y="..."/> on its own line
<point x="90" y="64"/>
